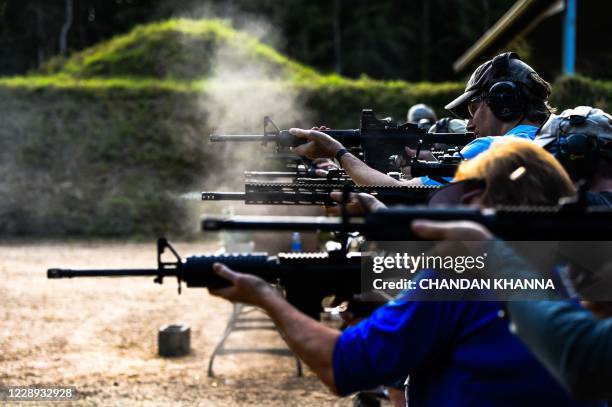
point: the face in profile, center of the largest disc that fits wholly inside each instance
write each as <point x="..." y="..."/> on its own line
<point x="482" y="121"/>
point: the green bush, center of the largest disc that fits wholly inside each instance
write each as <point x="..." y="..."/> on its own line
<point x="569" y="92"/>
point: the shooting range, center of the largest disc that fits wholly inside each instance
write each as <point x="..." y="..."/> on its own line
<point x="144" y="141"/>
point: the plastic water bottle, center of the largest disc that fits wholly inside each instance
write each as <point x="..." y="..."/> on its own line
<point x="296" y="242"/>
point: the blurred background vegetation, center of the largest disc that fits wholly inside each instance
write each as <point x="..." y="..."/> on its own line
<point x="106" y="105"/>
<point x="414" y="40"/>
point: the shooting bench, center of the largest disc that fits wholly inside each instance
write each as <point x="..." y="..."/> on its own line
<point x="242" y="319"/>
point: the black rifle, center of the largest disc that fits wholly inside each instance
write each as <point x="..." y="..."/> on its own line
<point x="319" y="193"/>
<point x="333" y="176"/>
<point x="250" y="175"/>
<point x="306" y="277"/>
<point x="562" y="222"/>
<point x="378" y="139"/>
<point x="446" y="166"/>
<point x="303" y="175"/>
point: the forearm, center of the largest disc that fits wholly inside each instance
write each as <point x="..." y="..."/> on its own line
<point x="310" y="340"/>
<point x="362" y="174"/>
<point x="575" y="346"/>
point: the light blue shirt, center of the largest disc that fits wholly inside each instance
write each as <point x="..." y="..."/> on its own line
<point x="481" y="144"/>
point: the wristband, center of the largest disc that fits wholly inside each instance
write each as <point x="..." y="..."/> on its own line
<point x="339" y="155"/>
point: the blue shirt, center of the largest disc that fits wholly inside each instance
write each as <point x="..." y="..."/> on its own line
<point x="481" y="144"/>
<point x="456" y="354"/>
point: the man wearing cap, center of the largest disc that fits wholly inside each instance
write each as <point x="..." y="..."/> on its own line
<point x="581" y="139"/>
<point x="503" y="97"/>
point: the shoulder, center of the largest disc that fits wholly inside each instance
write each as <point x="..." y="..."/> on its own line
<point x="523" y="131"/>
<point x="477" y="146"/>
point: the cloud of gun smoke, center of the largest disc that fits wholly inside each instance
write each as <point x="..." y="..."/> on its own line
<point x="236" y="99"/>
<point x="239" y="96"/>
<point x="231" y="102"/>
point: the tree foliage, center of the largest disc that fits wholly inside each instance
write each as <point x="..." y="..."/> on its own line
<point x="409" y="39"/>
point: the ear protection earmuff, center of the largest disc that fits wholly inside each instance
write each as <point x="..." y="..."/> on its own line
<point x="504" y="97"/>
<point x="579" y="155"/>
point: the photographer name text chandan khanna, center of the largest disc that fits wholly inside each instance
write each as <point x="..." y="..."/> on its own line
<point x="465" y="284"/>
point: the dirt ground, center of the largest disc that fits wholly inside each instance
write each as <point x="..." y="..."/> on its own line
<point x="100" y="334"/>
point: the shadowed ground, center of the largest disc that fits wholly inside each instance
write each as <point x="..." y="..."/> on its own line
<point x="100" y="335"/>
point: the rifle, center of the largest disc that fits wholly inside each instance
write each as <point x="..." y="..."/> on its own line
<point x="301" y="175"/>
<point x="446" y="164"/>
<point x="377" y="139"/>
<point x="306" y="277"/>
<point x="318" y="193"/>
<point x="250" y="175"/>
<point x="561" y="222"/>
<point x="334" y="176"/>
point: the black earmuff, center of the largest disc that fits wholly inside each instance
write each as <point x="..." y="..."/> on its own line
<point x="504" y="97"/>
<point x="579" y="155"/>
<point x="504" y="100"/>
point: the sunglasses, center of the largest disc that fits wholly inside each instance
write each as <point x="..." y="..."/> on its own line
<point x="457" y="193"/>
<point x="474" y="104"/>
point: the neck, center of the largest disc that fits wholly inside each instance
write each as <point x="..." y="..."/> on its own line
<point x="506" y="127"/>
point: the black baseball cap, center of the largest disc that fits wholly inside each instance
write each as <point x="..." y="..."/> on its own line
<point x="504" y="67"/>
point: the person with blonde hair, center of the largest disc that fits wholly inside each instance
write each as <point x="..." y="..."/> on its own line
<point x="574" y="343"/>
<point x="517" y="172"/>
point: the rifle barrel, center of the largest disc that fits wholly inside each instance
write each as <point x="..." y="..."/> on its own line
<point x="223" y="196"/>
<point x="272" y="174"/>
<point x="69" y="273"/>
<point x="240" y="137"/>
<point x="276" y="223"/>
<point x="318" y="193"/>
<point x="349" y="138"/>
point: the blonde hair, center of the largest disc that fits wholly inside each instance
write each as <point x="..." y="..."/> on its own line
<point x="518" y="172"/>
